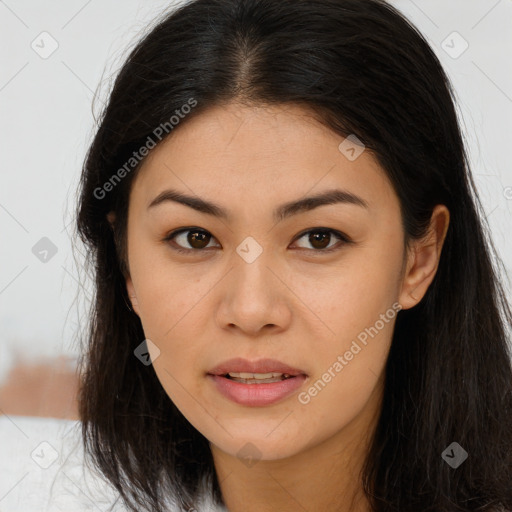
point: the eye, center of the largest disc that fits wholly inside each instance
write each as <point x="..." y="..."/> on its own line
<point x="320" y="239"/>
<point x="197" y="238"/>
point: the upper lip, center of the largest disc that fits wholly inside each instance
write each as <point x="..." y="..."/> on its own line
<point x="240" y="365"/>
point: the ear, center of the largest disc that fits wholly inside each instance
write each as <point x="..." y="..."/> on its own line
<point x="111" y="217"/>
<point x="133" y="296"/>
<point x="423" y="259"/>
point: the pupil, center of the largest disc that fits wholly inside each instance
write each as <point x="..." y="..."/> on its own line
<point x="319" y="239"/>
<point x="197" y="238"/>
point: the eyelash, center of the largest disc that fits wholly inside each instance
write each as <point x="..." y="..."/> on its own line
<point x="338" y="234"/>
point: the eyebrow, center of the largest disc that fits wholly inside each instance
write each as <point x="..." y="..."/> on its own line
<point x="282" y="212"/>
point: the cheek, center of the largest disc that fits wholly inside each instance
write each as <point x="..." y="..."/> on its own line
<point x="169" y="308"/>
<point x="346" y="371"/>
<point x="166" y="292"/>
<point x="174" y="303"/>
<point x="350" y="297"/>
<point x="357" y="308"/>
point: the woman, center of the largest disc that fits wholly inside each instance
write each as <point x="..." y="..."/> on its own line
<point x="296" y="302"/>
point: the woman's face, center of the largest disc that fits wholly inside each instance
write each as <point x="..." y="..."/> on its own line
<point x="315" y="286"/>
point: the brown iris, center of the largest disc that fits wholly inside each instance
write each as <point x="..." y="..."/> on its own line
<point x="319" y="239"/>
<point x="198" y="239"/>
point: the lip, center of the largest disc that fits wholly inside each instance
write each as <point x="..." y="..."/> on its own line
<point x="256" y="395"/>
<point x="239" y="365"/>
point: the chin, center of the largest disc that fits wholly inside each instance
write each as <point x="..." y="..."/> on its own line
<point x="267" y="445"/>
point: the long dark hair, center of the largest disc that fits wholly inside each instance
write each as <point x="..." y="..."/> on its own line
<point x="363" y="69"/>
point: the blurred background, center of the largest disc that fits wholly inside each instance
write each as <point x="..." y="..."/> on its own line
<point x="56" y="55"/>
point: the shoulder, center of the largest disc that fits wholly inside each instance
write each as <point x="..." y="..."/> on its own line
<point x="43" y="468"/>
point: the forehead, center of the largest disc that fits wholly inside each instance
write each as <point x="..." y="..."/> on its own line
<point x="261" y="154"/>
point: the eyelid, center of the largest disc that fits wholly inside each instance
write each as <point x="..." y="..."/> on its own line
<point x="179" y="231"/>
<point x="344" y="239"/>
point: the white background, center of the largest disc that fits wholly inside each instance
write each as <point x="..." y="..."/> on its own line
<point x="46" y="123"/>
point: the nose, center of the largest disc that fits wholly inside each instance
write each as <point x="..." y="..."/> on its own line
<point x="254" y="297"/>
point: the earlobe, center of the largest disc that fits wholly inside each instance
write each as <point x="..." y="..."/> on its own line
<point x="423" y="259"/>
<point x="111" y="217"/>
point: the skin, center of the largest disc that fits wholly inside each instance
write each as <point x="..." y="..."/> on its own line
<point x="294" y="303"/>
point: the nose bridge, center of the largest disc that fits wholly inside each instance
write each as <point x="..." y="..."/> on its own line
<point x="251" y="262"/>
<point x="252" y="296"/>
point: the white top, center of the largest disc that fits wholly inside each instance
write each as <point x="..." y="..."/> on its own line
<point x="42" y="469"/>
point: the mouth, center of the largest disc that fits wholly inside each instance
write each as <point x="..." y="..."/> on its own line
<point x="257" y="383"/>
<point x="255" y="371"/>
<point x="257" y="378"/>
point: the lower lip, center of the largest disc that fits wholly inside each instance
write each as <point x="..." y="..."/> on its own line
<point x="257" y="394"/>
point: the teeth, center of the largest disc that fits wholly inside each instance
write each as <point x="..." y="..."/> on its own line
<point x="258" y="376"/>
